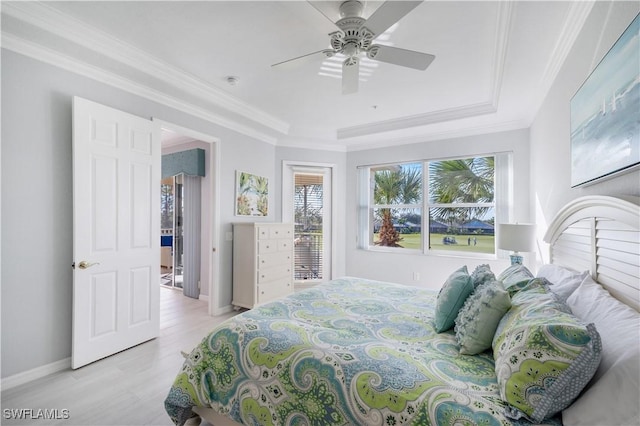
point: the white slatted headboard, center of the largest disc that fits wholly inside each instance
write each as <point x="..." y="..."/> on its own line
<point x="600" y="234"/>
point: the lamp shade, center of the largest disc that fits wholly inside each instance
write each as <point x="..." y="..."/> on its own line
<point x="516" y="236"/>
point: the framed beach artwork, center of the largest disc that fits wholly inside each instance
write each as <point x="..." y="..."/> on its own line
<point x="252" y="195"/>
<point x="605" y="129"/>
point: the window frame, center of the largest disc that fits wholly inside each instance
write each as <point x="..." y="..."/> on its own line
<point x="502" y="202"/>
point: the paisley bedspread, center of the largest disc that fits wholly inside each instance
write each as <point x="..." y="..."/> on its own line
<point x="347" y="352"/>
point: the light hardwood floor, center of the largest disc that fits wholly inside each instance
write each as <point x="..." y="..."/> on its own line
<point x="128" y="388"/>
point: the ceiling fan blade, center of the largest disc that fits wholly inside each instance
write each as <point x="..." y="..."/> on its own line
<point x="326" y="8"/>
<point x="402" y="57"/>
<point x="388" y="14"/>
<point x="350" y="75"/>
<point x="304" y="59"/>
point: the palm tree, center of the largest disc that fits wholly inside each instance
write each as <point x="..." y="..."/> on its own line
<point x="468" y="180"/>
<point x="399" y="186"/>
<point x="308" y="205"/>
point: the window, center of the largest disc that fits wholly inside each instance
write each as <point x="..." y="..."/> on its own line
<point x="444" y="205"/>
<point x="307" y="202"/>
<point x="309" y="214"/>
<point x="397" y="205"/>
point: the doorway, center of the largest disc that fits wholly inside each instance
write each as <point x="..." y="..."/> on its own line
<point x="308" y="203"/>
<point x="179" y="139"/>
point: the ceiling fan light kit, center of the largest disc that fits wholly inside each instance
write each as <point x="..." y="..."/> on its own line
<point x="357" y="34"/>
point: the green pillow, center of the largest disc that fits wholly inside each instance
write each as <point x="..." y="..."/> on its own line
<point x="481" y="275"/>
<point x="544" y="355"/>
<point x="478" y="319"/>
<point x="514" y="277"/>
<point x="451" y="297"/>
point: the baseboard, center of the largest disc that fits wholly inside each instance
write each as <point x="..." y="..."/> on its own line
<point x="203" y="297"/>
<point x="34" y="374"/>
<point x="223" y="310"/>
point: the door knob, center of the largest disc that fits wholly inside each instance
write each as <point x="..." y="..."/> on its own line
<point x="84" y="264"/>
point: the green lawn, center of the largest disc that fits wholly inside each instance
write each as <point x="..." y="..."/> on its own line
<point x="484" y="243"/>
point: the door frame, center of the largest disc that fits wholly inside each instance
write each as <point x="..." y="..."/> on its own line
<point x="214" y="220"/>
<point x="288" y="169"/>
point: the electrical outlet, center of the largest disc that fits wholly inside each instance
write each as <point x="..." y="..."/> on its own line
<point x="416" y="276"/>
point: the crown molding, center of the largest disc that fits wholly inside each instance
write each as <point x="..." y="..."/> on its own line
<point x="51" y="20"/>
<point x="55" y="58"/>
<point x="503" y="31"/>
<point x="573" y="23"/>
<point x="433" y="136"/>
<point x="258" y="123"/>
<point x="417" y="120"/>
<point x="490" y="106"/>
<point x="312" y="145"/>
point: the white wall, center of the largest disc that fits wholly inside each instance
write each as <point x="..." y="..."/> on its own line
<point x="37" y="201"/>
<point x="550" y="132"/>
<point x="256" y="158"/>
<point x="433" y="270"/>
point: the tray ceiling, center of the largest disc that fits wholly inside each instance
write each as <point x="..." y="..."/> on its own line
<point x="495" y="62"/>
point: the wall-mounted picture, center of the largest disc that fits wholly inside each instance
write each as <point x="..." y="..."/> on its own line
<point x="605" y="129"/>
<point x="252" y="194"/>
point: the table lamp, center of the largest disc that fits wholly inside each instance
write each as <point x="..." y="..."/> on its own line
<point x="517" y="237"/>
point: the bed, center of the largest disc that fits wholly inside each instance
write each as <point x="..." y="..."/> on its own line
<point x="354" y="351"/>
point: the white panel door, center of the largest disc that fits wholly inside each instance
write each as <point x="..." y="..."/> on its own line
<point x="116" y="231"/>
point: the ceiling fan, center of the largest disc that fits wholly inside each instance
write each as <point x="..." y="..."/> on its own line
<point x="357" y="34"/>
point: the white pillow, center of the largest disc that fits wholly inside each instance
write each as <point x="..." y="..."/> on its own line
<point x="564" y="281"/>
<point x="613" y="396"/>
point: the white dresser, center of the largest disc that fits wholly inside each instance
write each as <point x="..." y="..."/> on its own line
<point x="262" y="262"/>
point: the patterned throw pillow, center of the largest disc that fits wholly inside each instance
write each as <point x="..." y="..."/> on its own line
<point x="481" y="275"/>
<point x="451" y="297"/>
<point x="514" y="278"/>
<point x="478" y="319"/>
<point x="544" y="355"/>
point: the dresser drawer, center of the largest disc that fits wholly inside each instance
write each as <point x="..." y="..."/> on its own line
<point x="267" y="246"/>
<point x="285" y="245"/>
<point x="270" y="260"/>
<point x="281" y="231"/>
<point x="263" y="232"/>
<point x="275" y="289"/>
<point x="271" y="274"/>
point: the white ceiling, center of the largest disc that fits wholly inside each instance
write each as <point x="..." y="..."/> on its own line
<point x="495" y="61"/>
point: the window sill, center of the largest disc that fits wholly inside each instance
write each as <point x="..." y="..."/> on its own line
<point x="431" y="253"/>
